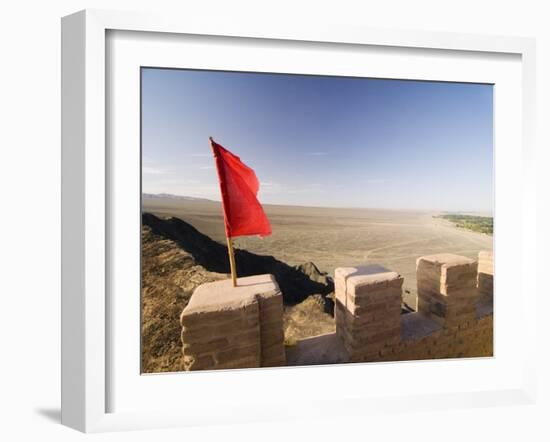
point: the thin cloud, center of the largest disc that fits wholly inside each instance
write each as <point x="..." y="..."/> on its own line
<point x="310" y="188"/>
<point x="317" y="154"/>
<point x="148" y="170"/>
<point x="270" y="188"/>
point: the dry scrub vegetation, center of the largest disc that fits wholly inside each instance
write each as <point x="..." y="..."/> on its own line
<point x="169" y="276"/>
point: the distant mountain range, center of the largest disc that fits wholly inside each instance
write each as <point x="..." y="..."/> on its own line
<point x="172" y="197"/>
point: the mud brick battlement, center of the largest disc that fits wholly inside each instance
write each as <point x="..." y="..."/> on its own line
<point x="367" y="309"/>
<point x="234" y="327"/>
<point x="241" y="327"/>
<point x="447" y="288"/>
<point x="454" y="317"/>
<point x="485" y="275"/>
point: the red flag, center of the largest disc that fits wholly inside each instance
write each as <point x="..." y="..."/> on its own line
<point x="243" y="213"/>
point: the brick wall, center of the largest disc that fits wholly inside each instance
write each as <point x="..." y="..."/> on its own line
<point x="234" y="327"/>
<point x="454" y="318"/>
<point x="227" y="327"/>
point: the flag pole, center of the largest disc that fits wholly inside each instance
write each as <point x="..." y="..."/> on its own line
<point x="228" y="238"/>
<point x="232" y="261"/>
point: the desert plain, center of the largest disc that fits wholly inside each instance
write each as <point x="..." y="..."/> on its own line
<point x="335" y="237"/>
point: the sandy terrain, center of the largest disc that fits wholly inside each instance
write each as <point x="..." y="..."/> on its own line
<point x="338" y="237"/>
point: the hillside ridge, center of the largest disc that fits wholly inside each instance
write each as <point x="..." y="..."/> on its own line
<point x="177" y="258"/>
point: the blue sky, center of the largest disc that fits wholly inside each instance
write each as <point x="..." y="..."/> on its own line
<point x="322" y="141"/>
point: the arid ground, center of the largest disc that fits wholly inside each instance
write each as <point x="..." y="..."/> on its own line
<point x="183" y="246"/>
<point x="331" y="237"/>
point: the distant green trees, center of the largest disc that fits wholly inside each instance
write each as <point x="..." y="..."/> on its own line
<point x="482" y="224"/>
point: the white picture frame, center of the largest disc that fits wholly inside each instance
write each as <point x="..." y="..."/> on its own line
<point x="86" y="204"/>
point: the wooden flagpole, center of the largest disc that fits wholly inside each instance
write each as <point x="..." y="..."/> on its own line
<point x="228" y="238"/>
<point x="232" y="261"/>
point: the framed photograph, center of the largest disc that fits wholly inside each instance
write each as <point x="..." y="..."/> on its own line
<point x="249" y="211"/>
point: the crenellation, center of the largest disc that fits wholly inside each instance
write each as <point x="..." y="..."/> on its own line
<point x="367" y="313"/>
<point x="446" y="286"/>
<point x="243" y="327"/>
<point x="450" y="321"/>
<point x="485" y="275"/>
<point x="234" y="327"/>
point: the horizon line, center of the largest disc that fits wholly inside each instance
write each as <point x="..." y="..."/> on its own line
<point x="166" y="194"/>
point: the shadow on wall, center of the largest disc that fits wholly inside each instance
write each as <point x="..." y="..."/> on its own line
<point x="296" y="283"/>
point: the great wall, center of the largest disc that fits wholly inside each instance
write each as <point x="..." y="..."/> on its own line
<point x="226" y="327"/>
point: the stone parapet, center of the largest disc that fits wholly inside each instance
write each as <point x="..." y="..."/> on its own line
<point x="234" y="327"/>
<point x="447" y="288"/>
<point x="452" y="320"/>
<point x="241" y="327"/>
<point x="367" y="309"/>
<point x="485" y="275"/>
